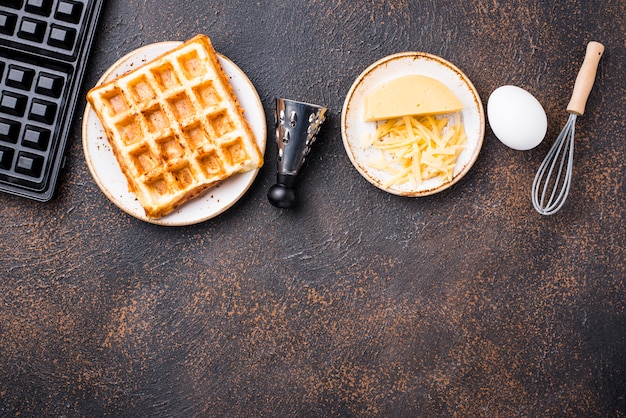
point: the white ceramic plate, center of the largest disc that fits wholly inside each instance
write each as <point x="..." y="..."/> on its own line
<point x="107" y="174"/>
<point x="354" y="129"/>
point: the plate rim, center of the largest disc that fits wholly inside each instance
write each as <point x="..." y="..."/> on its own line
<point x="164" y="221"/>
<point x="413" y="55"/>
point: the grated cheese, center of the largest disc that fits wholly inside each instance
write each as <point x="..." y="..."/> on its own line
<point x="417" y="148"/>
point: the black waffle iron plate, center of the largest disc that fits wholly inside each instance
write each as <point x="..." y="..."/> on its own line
<point x="44" y="46"/>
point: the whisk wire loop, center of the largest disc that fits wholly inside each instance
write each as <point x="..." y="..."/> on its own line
<point x="557" y="187"/>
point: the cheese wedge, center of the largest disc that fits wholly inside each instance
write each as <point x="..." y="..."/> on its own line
<point x="411" y="95"/>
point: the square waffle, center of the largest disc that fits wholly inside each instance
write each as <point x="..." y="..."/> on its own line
<point x="175" y="126"/>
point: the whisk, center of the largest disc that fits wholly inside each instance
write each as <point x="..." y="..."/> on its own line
<point x="549" y="192"/>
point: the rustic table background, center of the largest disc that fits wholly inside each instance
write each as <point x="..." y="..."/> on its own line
<point x="357" y="303"/>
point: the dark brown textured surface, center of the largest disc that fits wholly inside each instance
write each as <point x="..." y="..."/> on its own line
<point x="358" y="303"/>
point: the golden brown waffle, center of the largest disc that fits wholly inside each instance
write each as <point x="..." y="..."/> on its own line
<point x="175" y="126"/>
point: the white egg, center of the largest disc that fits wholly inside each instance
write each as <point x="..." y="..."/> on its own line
<point x="516" y="117"/>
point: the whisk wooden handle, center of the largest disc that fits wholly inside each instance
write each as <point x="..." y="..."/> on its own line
<point x="585" y="79"/>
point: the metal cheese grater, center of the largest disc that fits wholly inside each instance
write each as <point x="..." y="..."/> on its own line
<point x="297" y="125"/>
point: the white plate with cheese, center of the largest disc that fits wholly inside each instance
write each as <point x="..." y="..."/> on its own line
<point x="110" y="179"/>
<point x="355" y="129"/>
